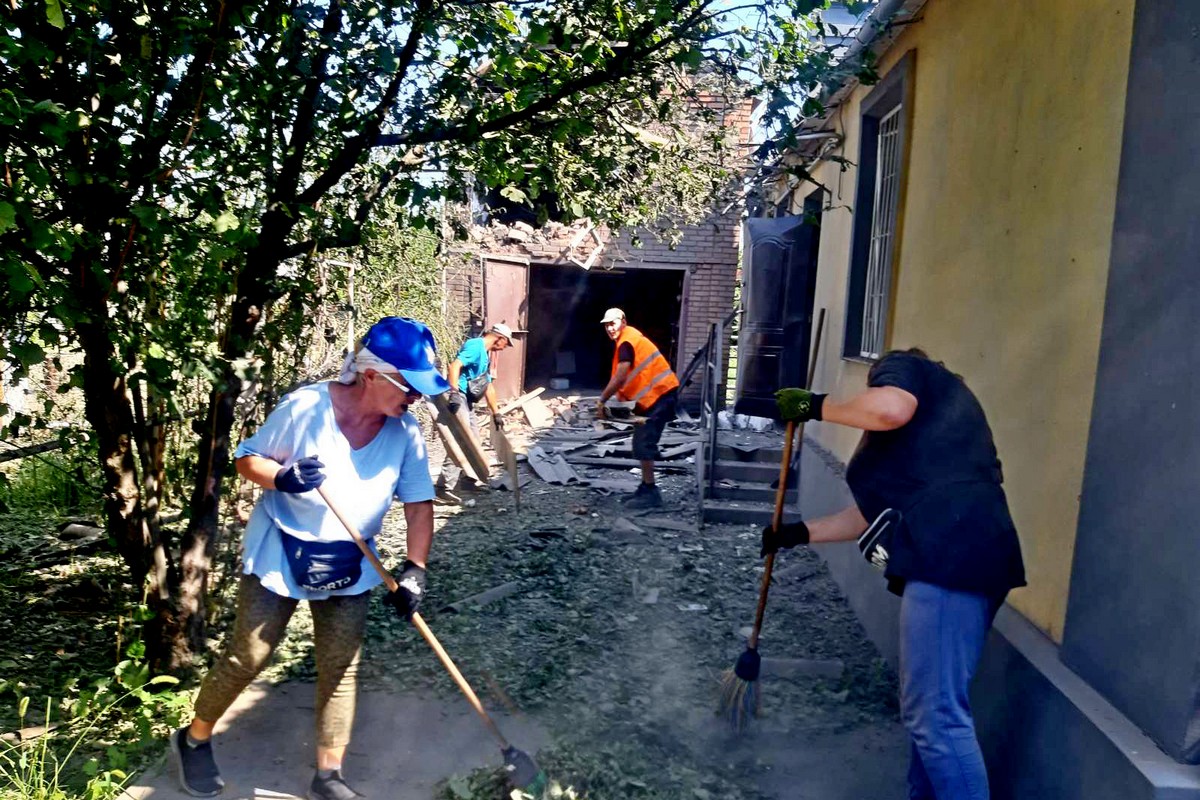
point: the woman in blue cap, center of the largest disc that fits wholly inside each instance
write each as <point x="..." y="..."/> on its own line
<point x="357" y="430"/>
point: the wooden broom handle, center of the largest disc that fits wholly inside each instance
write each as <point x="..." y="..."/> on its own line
<point x="781" y="491"/>
<point x="417" y="620"/>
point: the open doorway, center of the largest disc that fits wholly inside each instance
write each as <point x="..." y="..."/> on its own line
<point x="565" y="337"/>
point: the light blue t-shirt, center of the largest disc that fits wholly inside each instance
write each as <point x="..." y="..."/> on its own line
<point x="474" y="358"/>
<point x="362" y="482"/>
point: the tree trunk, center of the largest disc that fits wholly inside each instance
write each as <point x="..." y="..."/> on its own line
<point x="108" y="411"/>
<point x="203" y="532"/>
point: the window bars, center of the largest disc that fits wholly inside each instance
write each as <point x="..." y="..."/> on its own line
<point x="883" y="228"/>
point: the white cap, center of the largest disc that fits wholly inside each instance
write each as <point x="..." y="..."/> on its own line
<point x="612" y="315"/>
<point x="503" y="330"/>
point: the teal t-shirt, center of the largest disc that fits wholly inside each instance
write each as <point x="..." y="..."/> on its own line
<point x="474" y="359"/>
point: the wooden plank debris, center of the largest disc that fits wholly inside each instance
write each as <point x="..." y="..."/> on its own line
<point x="520" y="401"/>
<point x="508" y="458"/>
<point x="460" y="440"/>
<point x="537" y="413"/>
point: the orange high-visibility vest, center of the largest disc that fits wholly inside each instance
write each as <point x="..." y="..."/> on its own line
<point x="650" y="376"/>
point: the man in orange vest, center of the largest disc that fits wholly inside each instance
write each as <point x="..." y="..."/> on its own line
<point x="640" y="374"/>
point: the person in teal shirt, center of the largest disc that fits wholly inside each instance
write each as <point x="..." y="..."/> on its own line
<point x="471" y="374"/>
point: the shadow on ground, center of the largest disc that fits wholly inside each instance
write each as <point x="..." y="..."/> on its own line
<point x="603" y="652"/>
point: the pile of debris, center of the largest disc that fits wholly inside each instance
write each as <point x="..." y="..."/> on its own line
<point x="580" y="243"/>
<point x="563" y="444"/>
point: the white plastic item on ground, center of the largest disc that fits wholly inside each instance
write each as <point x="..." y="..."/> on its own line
<point x="761" y="424"/>
<point x="740" y="421"/>
<point x="724" y="421"/>
<point x="560" y="383"/>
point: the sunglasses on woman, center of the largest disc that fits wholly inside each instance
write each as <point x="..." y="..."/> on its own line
<point x="408" y="390"/>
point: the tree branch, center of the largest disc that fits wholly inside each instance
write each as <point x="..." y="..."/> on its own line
<point x="354" y="149"/>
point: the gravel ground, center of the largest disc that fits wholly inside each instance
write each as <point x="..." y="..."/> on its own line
<point x="615" y="639"/>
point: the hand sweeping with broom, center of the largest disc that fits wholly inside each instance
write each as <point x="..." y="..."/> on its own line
<point x="739" y="686"/>
<point x="521" y="770"/>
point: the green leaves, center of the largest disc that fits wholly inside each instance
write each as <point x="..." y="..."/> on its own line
<point x="8" y="216"/>
<point x="225" y="221"/>
<point x="54" y="14"/>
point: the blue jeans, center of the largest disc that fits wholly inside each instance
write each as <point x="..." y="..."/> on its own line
<point x="942" y="632"/>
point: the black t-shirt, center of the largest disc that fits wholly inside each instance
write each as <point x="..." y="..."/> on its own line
<point x="625" y="352"/>
<point x="941" y="471"/>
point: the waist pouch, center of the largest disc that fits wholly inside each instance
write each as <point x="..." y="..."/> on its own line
<point x="322" y="566"/>
<point x="477" y="387"/>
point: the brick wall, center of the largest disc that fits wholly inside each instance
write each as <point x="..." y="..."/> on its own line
<point x="708" y="252"/>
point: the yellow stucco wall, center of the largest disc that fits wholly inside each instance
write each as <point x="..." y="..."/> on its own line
<point x="1006" y="225"/>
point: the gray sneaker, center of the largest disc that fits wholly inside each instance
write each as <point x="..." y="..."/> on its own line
<point x="333" y="787"/>
<point x="198" y="773"/>
<point x="645" y="497"/>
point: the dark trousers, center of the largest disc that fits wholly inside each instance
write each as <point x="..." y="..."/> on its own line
<point x="647" y="434"/>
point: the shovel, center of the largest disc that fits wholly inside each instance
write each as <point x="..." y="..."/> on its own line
<point x="523" y="771"/>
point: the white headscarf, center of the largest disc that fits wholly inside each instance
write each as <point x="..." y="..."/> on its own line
<point x="361" y="361"/>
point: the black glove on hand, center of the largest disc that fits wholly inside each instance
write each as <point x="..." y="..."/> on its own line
<point x="498" y="421"/>
<point x="409" y="592"/>
<point x="454" y="400"/>
<point x="799" y="405"/>
<point x="789" y="535"/>
<point x="302" y="476"/>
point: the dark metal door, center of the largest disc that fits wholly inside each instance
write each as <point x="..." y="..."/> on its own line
<point x="778" y="284"/>
<point x="506" y="299"/>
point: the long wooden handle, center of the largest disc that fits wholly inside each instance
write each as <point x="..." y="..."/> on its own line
<point x="780" y="494"/>
<point x="417" y="620"/>
<point x="781" y="491"/>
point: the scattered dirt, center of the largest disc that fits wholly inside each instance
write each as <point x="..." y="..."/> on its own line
<point x="604" y="662"/>
<point x="616" y="642"/>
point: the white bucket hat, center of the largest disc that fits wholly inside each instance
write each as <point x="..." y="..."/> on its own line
<point x="503" y="330"/>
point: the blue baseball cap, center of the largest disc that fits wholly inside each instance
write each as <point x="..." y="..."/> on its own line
<point x="408" y="346"/>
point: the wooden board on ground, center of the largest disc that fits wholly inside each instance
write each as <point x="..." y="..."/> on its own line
<point x="460" y="440"/>
<point x="522" y="400"/>
<point x="538" y="413"/>
<point x="508" y="458"/>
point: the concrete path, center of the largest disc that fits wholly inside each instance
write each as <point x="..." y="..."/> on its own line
<point x="403" y="745"/>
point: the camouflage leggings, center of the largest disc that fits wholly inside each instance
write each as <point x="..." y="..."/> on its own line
<point x="262" y="618"/>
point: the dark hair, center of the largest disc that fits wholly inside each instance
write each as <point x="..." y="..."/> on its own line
<point x="912" y="351"/>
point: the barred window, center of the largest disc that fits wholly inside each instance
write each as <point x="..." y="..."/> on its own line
<point x="880" y="183"/>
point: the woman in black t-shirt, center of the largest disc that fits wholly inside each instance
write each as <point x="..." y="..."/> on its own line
<point x="927" y="452"/>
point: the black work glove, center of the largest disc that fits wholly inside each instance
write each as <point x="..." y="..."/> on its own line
<point x="302" y="476"/>
<point x="789" y="535"/>
<point x="498" y="421"/>
<point x="799" y="405"/>
<point x="454" y="400"/>
<point x="409" y="592"/>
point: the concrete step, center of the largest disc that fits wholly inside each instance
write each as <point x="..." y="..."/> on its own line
<point x="770" y="455"/>
<point x="734" y="511"/>
<point x="746" y="471"/>
<point x="750" y="493"/>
